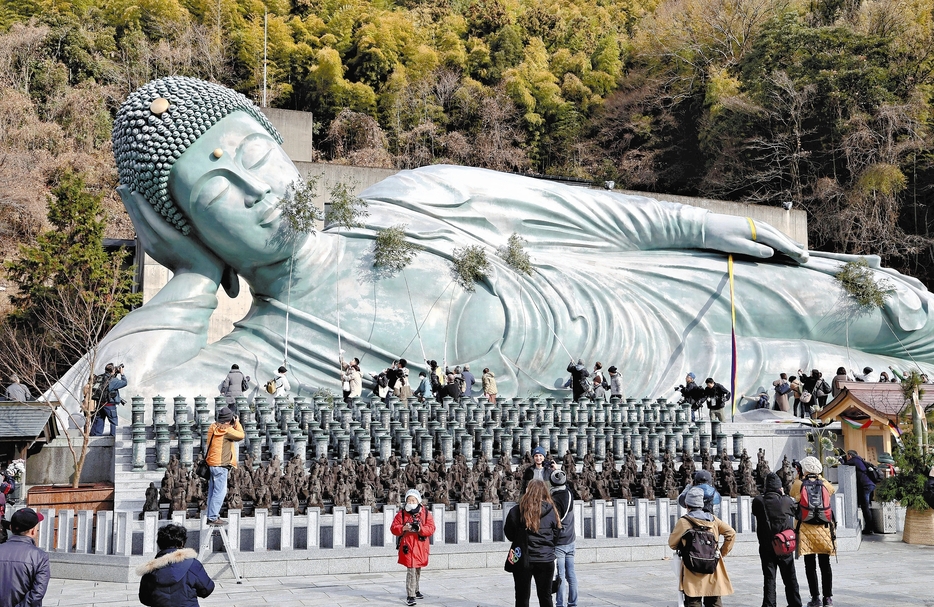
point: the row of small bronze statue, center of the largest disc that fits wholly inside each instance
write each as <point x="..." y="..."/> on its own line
<point x="365" y="483"/>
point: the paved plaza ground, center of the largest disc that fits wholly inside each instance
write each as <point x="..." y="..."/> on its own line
<point x="885" y="572"/>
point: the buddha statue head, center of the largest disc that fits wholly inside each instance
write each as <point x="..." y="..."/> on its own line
<point x="210" y="164"/>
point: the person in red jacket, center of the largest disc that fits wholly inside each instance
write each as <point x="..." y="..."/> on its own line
<point x="415" y="526"/>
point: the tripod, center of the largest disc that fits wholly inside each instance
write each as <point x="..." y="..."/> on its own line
<point x="206" y="548"/>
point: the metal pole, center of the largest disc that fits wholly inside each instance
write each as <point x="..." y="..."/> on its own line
<point x="265" y="33"/>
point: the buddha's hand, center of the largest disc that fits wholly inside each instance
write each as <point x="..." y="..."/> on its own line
<point x="164" y="243"/>
<point x="735" y="235"/>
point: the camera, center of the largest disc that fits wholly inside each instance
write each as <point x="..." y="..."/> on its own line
<point x="415" y="526"/>
<point x="679" y="388"/>
<point x="405" y="549"/>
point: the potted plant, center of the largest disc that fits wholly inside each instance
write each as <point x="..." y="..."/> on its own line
<point x="907" y="488"/>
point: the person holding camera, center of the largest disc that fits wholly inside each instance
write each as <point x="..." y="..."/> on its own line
<point x="717" y="397"/>
<point x="111" y="399"/>
<point x="413" y="525"/>
<point x="692" y="394"/>
<point x="540" y="470"/>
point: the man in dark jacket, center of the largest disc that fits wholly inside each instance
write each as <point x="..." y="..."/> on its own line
<point x="111" y="400"/>
<point x="563" y="498"/>
<point x="24" y="568"/>
<point x="175" y="578"/>
<point x="717" y="397"/>
<point x="579" y="375"/>
<point x="864" y="486"/>
<point x="774" y="512"/>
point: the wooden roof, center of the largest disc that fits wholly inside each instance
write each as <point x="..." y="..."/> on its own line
<point x="23" y="420"/>
<point x="880" y="401"/>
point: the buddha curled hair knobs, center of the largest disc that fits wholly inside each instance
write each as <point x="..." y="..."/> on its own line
<point x="162" y="119"/>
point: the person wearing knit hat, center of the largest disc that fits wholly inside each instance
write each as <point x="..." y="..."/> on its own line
<point x="563" y="497"/>
<point x="815" y="540"/>
<point x="701" y="588"/>
<point x="539" y="470"/>
<point x="413" y="525"/>
<point x="221" y="457"/>
<point x="703" y="481"/>
<point x="775" y="512"/>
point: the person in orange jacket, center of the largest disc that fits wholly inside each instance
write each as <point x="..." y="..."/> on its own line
<point x="415" y="526"/>
<point x="223" y="436"/>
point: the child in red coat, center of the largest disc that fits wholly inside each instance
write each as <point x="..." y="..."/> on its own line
<point x="415" y="524"/>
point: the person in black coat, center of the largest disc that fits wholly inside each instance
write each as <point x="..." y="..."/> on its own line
<point x="928" y="493"/>
<point x="774" y="512"/>
<point x="864" y="486"/>
<point x="579" y="382"/>
<point x="175" y="578"/>
<point x="535" y="527"/>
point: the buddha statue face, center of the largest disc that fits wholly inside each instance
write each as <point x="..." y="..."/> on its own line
<point x="229" y="184"/>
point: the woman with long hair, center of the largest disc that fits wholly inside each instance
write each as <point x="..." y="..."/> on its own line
<point x="534" y="526"/>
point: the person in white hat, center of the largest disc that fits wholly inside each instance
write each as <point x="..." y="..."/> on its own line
<point x="413" y="525"/>
<point x="816" y="530"/>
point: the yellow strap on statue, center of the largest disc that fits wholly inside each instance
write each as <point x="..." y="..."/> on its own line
<point x="752" y="226"/>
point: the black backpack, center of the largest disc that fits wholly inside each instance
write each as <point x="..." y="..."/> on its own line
<point x="699" y="549"/>
<point x="99" y="392"/>
<point x="874" y="474"/>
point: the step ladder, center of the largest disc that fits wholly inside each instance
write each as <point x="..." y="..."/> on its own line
<point x="206" y="546"/>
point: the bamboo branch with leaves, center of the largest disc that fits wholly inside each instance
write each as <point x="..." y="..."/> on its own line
<point x="392" y="254"/>
<point x="300" y="217"/>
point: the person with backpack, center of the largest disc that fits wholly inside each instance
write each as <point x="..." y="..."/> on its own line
<point x="580" y="384"/>
<point x="563" y="498"/>
<point x="696" y="538"/>
<point x="782" y="390"/>
<point x="234" y="385"/>
<point x="533" y="527"/>
<point x="774" y="512"/>
<point x="816" y="529"/>
<point x="712" y="497"/>
<point x="413" y="525"/>
<point x="867" y="476"/>
<point x="110" y="398"/>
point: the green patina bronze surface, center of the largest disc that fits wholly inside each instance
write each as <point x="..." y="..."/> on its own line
<point x="630" y="281"/>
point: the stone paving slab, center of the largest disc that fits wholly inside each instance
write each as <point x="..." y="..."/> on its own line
<point x="882" y="573"/>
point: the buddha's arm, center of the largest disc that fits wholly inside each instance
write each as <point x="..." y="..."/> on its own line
<point x="491" y="206"/>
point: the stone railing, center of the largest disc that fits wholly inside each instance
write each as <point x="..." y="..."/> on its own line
<point x="124" y="534"/>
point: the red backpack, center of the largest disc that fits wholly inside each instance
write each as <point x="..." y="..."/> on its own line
<point x="814" y="505"/>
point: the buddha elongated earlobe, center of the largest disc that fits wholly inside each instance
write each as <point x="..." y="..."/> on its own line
<point x="231" y="282"/>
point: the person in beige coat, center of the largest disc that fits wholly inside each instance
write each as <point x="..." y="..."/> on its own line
<point x="703" y="589"/>
<point x="816" y="542"/>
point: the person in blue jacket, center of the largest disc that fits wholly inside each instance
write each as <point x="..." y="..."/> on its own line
<point x="175" y="578"/>
<point x="712" y="498"/>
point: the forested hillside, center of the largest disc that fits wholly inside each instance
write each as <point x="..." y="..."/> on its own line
<point x="824" y="103"/>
